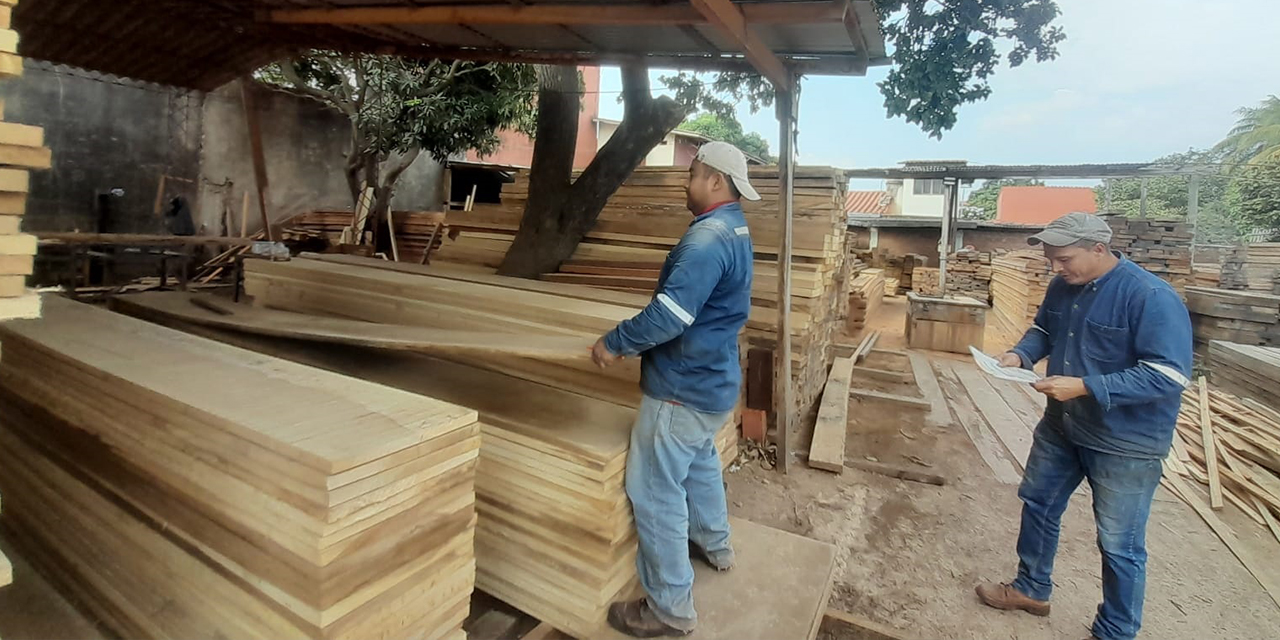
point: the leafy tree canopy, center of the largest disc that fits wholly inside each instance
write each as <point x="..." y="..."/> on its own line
<point x="1256" y="135"/>
<point x="1168" y="197"/>
<point x="1254" y="194"/>
<point x="728" y="129"/>
<point x="944" y="54"/>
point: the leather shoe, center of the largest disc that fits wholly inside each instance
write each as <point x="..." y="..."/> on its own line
<point x="1003" y="596"/>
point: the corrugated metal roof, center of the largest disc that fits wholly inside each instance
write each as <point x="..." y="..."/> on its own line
<point x="995" y="171"/>
<point x="202" y="44"/>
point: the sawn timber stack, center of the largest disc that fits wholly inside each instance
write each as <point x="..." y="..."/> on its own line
<point x="1018" y="283"/>
<point x="646" y="217"/>
<point x="180" y="487"/>
<point x="555" y="536"/>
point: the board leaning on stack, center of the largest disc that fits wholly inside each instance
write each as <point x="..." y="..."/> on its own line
<point x="554" y="536"/>
<point x="21" y="151"/>
<point x="646" y="217"/>
<point x="282" y="501"/>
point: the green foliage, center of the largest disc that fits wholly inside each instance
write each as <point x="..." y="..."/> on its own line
<point x="727" y="129"/>
<point x="944" y="54"/>
<point x="1256" y="135"/>
<point x="982" y="201"/>
<point x="398" y="104"/>
<point x="1254" y="193"/>
<point x="1167" y="197"/>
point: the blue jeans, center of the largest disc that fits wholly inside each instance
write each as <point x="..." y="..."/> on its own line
<point x="1123" y="488"/>
<point x="677" y="495"/>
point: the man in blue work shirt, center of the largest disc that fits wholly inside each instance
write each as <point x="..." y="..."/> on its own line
<point x="687" y="339"/>
<point x="1118" y="341"/>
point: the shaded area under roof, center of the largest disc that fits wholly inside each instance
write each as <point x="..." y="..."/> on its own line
<point x="202" y="44"/>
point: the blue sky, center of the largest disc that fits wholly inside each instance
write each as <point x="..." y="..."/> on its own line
<point x="1136" y="79"/>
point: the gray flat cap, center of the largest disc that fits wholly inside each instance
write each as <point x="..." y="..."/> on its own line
<point x="1073" y="228"/>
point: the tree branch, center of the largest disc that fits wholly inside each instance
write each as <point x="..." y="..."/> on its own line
<point x="300" y="87"/>
<point x="393" y="171"/>
<point x="636" y="94"/>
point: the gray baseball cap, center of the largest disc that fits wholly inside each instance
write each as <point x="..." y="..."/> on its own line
<point x="1073" y="228"/>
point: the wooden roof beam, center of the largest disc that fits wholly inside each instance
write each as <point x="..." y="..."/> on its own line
<point x="573" y="15"/>
<point x="853" y="25"/>
<point x="730" y="20"/>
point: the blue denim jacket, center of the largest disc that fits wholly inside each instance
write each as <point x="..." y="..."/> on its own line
<point x="688" y="334"/>
<point x="1128" y="334"/>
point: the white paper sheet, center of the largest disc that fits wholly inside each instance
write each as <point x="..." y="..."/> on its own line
<point x="992" y="367"/>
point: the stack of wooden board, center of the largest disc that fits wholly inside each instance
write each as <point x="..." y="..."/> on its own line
<point x="1018" y="283"/>
<point x="969" y="274"/>
<point x="1162" y="247"/>
<point x="925" y="281"/>
<point x="280" y="501"/>
<point x="1231" y="445"/>
<point x="910" y="263"/>
<point x="647" y="216"/>
<point x="1235" y="316"/>
<point x="1206" y="274"/>
<point x="897" y="267"/>
<point x="21" y="150"/>
<point x="865" y="296"/>
<point x="326" y="287"/>
<point x="413" y="229"/>
<point x="1247" y="370"/>
<point x="1253" y="267"/>
<point x="555" y="535"/>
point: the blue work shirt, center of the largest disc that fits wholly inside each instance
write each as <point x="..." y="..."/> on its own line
<point x="688" y="334"/>
<point x="1128" y="335"/>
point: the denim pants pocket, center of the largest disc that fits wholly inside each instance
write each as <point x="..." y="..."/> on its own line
<point x="693" y="428"/>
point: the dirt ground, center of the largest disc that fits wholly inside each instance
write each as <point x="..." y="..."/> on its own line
<point x="909" y="554"/>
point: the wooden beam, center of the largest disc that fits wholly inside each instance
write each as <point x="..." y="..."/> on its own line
<point x="853" y="26"/>
<point x="869" y="394"/>
<point x="257" y="153"/>
<point x="783" y="398"/>
<point x="1210" y="456"/>
<point x="561" y="15"/>
<point x="730" y="20"/>
<point x="895" y="471"/>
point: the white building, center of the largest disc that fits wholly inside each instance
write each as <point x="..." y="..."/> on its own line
<point x="912" y="197"/>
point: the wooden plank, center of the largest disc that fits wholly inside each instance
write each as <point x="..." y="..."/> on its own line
<point x="865" y="628"/>
<point x="256" y="154"/>
<point x="1007" y="424"/>
<point x="784" y="395"/>
<point x="18" y="245"/>
<point x="896" y="471"/>
<point x="829" y="432"/>
<point x="883" y="374"/>
<point x="938" y="415"/>
<point x="1211" y="458"/>
<point x="728" y="18"/>
<point x="980" y="434"/>
<point x="868" y="394"/>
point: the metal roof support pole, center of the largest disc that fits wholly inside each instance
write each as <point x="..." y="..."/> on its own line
<point x="788" y="103"/>
<point x="1142" y="199"/>
<point x="1193" y="210"/>
<point x="951" y="187"/>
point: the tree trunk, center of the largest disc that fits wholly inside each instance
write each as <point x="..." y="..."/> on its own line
<point x="560" y="211"/>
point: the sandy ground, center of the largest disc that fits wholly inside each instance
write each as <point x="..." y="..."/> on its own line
<point x="910" y="554"/>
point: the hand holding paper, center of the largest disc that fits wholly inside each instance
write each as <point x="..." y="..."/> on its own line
<point x="996" y="369"/>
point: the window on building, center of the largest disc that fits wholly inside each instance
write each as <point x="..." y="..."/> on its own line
<point x="927" y="187"/>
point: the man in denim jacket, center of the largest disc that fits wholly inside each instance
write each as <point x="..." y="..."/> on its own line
<point x="687" y="339"/>
<point x="1118" y="341"/>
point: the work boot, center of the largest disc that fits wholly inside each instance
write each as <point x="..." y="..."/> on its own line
<point x="1004" y="596"/>
<point x="723" y="564"/>
<point x="636" y="619"/>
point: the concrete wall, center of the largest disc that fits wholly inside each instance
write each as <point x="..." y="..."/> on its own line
<point x="517" y="149"/>
<point x="919" y="205"/>
<point x="924" y="241"/>
<point x="105" y="135"/>
<point x="108" y="134"/>
<point x="992" y="239"/>
<point x="304" y="144"/>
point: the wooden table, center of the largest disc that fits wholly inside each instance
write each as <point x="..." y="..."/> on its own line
<point x="945" y="324"/>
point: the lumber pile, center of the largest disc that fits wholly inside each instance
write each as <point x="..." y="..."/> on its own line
<point x="1253" y="267"/>
<point x="646" y="217"/>
<point x="925" y="282"/>
<point x="1247" y="370"/>
<point x="413" y="229"/>
<point x="1231" y="446"/>
<point x="866" y="293"/>
<point x="1234" y="316"/>
<point x="363" y="290"/>
<point x="1206" y="274"/>
<point x="282" y="501"/>
<point x="1018" y="283"/>
<point x="554" y="536"/>
<point x="969" y="274"/>
<point x="901" y="268"/>
<point x="1162" y="247"/>
<point x="21" y="151"/>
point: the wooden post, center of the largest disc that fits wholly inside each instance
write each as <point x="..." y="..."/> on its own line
<point x="783" y="398"/>
<point x="258" y="155"/>
<point x="1193" y="209"/>
<point x="1107" y="206"/>
<point x="951" y="187"/>
<point x="1142" y="200"/>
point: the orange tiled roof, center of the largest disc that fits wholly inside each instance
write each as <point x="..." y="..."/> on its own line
<point x="1041" y="205"/>
<point x="867" y="202"/>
